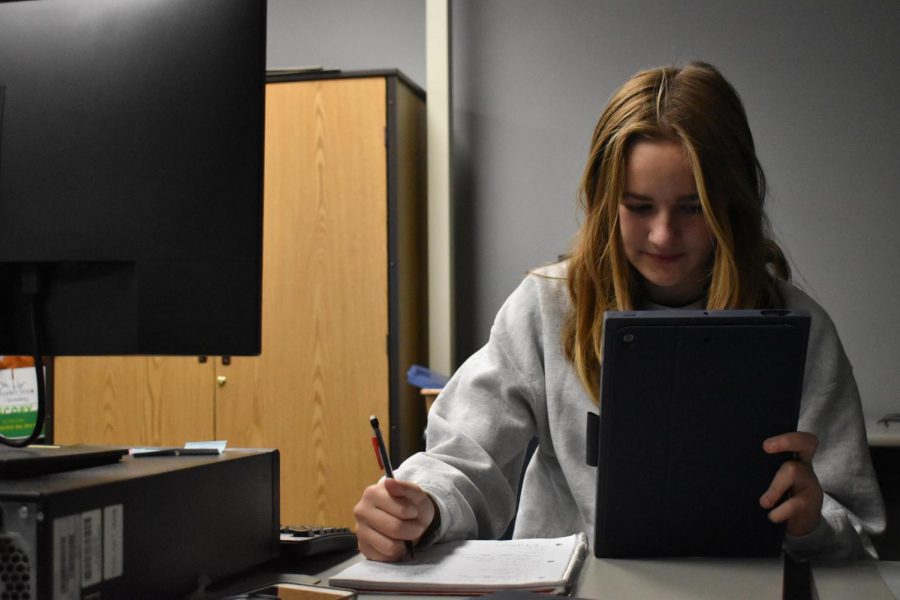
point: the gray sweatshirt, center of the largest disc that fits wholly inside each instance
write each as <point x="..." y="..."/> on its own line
<point x="520" y="386"/>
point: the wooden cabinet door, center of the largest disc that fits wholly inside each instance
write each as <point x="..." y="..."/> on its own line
<point x="133" y="400"/>
<point x="324" y="365"/>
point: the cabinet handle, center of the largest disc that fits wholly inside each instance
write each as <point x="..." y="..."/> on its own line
<point x="221" y="380"/>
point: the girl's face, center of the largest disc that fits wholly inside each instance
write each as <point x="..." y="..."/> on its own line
<point x="661" y="222"/>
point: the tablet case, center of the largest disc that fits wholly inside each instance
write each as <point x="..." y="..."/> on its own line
<point x="686" y="399"/>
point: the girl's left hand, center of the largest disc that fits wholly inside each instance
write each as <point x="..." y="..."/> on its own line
<point x="796" y="482"/>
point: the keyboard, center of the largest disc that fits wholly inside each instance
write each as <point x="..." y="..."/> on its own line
<point x="43" y="460"/>
<point x="309" y="540"/>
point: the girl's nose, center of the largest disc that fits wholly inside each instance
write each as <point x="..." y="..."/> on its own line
<point x="663" y="229"/>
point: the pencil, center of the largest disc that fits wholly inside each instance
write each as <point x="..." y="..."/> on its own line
<point x="385" y="461"/>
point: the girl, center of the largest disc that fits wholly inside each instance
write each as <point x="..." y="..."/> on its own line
<point x="673" y="200"/>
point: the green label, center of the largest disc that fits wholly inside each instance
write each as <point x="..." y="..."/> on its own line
<point x="17" y="423"/>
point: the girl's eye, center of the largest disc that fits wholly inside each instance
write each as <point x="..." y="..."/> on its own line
<point x="692" y="209"/>
<point x="639" y="209"/>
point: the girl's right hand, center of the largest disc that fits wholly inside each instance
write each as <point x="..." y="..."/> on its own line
<point x="389" y="513"/>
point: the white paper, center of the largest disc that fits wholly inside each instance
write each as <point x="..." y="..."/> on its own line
<point x="474" y="565"/>
<point x="18" y="390"/>
<point x="210" y="445"/>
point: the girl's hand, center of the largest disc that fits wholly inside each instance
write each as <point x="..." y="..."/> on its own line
<point x="795" y="481"/>
<point x="389" y="513"/>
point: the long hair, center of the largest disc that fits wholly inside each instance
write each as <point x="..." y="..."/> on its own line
<point x="697" y="107"/>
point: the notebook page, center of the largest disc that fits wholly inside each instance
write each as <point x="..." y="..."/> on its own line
<point x="474" y="565"/>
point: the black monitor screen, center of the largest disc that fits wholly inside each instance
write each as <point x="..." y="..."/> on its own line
<point x="131" y="161"/>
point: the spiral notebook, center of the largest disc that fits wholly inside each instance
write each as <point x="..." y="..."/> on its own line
<point x="474" y="567"/>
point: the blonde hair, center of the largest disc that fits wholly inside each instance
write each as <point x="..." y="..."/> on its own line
<point x="697" y="107"/>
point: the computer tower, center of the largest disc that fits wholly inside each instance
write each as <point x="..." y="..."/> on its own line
<point x="152" y="527"/>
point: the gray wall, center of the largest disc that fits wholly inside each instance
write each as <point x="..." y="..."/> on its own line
<point x="352" y="35"/>
<point x="819" y="81"/>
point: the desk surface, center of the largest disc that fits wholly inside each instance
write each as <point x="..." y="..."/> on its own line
<point x="673" y="579"/>
<point x="855" y="581"/>
<point x="882" y="434"/>
<point x="680" y="578"/>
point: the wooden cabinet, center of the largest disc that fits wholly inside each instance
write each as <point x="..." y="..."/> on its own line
<point x="344" y="308"/>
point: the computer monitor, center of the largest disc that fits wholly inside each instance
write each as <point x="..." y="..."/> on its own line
<point x="131" y="175"/>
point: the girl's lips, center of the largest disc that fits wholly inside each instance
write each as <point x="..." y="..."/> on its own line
<point x="665" y="257"/>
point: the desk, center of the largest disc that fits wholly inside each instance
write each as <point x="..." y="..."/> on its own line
<point x="882" y="434"/>
<point x="860" y="580"/>
<point x="672" y="579"/>
<point x="430" y="395"/>
<point x="681" y="578"/>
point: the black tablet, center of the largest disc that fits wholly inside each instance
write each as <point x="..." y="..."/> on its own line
<point x="686" y="399"/>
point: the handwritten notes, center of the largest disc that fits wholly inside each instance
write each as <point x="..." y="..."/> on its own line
<point x="18" y="401"/>
<point x="474" y="566"/>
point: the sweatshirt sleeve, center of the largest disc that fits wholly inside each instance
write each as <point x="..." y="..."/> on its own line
<point x="480" y="425"/>
<point x="830" y="408"/>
